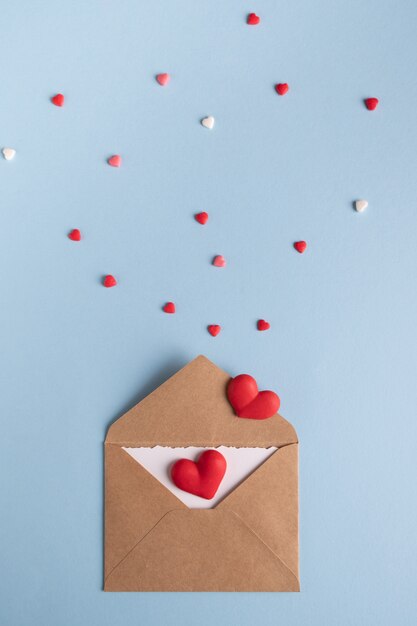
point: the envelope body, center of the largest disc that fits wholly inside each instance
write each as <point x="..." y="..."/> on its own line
<point x="154" y="542"/>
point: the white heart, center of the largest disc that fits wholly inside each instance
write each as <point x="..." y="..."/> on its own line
<point x="8" y="153"/>
<point x="360" y="205"/>
<point x="208" y="122"/>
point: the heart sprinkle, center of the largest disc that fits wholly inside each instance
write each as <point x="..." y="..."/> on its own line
<point x="202" y="478"/>
<point x="263" y="325"/>
<point x="169" y="307"/>
<point x="253" y="19"/>
<point x="361" y="205"/>
<point x="371" y="103"/>
<point x="282" y="89"/>
<point x="8" y="153"/>
<point x="163" y="79"/>
<point x="247" y="401"/>
<point x="115" y="160"/>
<point x="109" y="281"/>
<point x="300" y="246"/>
<point x="208" y="122"/>
<point x="201" y="218"/>
<point x="214" y="329"/>
<point x="219" y="261"/>
<point x="58" y="100"/>
<point x="74" y="235"/>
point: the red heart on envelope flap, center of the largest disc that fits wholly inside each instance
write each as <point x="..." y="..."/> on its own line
<point x="247" y="401"/>
<point x="202" y="478"/>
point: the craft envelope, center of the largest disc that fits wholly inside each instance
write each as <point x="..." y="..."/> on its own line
<point x="154" y="542"/>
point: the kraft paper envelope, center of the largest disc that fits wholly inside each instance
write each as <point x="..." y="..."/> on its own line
<point x="154" y="542"/>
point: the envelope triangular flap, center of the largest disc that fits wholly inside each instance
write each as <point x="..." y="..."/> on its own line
<point x="191" y="409"/>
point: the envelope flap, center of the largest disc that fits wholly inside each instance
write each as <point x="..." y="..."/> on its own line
<point x="191" y="409"/>
<point x="201" y="551"/>
<point x="267" y="502"/>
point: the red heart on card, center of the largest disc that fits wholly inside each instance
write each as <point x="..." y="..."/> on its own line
<point x="202" y="478"/>
<point x="253" y="19"/>
<point x="247" y="401"/>
<point x="58" y="100"/>
<point x="371" y="103"/>
<point x="281" y="89"/>
<point x="115" y="160"/>
<point x="300" y="246"/>
<point x="169" y="307"/>
<point x="163" y="79"/>
<point x="202" y="217"/>
<point x="74" y="235"/>
<point x="214" y="329"/>
<point x="263" y="325"/>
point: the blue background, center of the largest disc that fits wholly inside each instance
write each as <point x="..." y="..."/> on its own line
<point x="341" y="351"/>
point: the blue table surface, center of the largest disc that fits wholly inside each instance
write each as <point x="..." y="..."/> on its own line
<point x="342" y="347"/>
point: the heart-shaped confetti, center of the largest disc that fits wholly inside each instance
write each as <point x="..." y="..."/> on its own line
<point x="169" y="307"/>
<point x="253" y="19"/>
<point x="247" y="401"/>
<point x="208" y="122"/>
<point x="74" y="235"/>
<point x="214" y="329"/>
<point x="219" y="261"/>
<point x="300" y="246"/>
<point x="8" y="153"/>
<point x="201" y="218"/>
<point x="58" y="100"/>
<point x="263" y="325"/>
<point x="371" y="103"/>
<point x="163" y="79"/>
<point x="115" y="160"/>
<point x="361" y="205"/>
<point x="282" y="89"/>
<point x="202" y="478"/>
<point x="109" y="281"/>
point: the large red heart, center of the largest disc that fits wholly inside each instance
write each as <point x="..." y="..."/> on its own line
<point x="248" y="401"/>
<point x="202" y="478"/>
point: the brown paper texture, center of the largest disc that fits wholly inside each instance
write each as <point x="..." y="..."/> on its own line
<point x="154" y="542"/>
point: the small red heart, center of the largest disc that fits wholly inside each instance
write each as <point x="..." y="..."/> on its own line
<point x="169" y="307"/>
<point x="219" y="261"/>
<point x="371" y="103"/>
<point x="247" y="401"/>
<point x="163" y="79"/>
<point x="253" y="19"/>
<point x="300" y="246"/>
<point x="263" y="325"/>
<point x="58" y="100"/>
<point x="74" y="235"/>
<point x="115" y="160"/>
<point x="282" y="89"/>
<point x="109" y="281"/>
<point x="214" y="329"/>
<point x="202" y="478"/>
<point x="202" y="218"/>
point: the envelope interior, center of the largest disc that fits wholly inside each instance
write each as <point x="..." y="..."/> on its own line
<point x="241" y="462"/>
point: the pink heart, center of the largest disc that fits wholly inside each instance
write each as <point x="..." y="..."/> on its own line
<point x="219" y="261"/>
<point x="115" y="160"/>
<point x="163" y="79"/>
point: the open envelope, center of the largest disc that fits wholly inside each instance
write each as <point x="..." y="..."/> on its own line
<point x="154" y="542"/>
